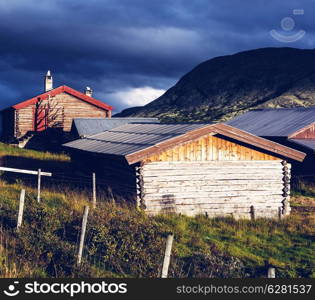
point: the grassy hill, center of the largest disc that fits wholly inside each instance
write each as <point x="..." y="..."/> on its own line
<point x="224" y="87"/>
<point x="27" y="153"/>
<point x="123" y="242"/>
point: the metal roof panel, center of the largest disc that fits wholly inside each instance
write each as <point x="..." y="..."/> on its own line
<point x="90" y="126"/>
<point x="308" y="143"/>
<point x="130" y="138"/>
<point x="274" y="122"/>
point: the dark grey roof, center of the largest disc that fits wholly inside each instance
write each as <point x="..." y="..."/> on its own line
<point x="130" y="138"/>
<point x="89" y="126"/>
<point x="274" y="122"/>
<point x="308" y="143"/>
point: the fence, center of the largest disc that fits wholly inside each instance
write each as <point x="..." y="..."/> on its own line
<point x="39" y="174"/>
<point x="81" y="250"/>
<point x="94" y="183"/>
<point x="60" y="178"/>
<point x="6" y="231"/>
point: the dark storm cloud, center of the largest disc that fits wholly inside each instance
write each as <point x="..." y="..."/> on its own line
<point x="117" y="46"/>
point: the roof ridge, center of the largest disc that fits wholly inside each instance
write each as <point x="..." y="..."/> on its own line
<point x="61" y="89"/>
<point x="135" y="145"/>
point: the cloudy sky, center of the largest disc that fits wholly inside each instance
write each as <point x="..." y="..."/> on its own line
<point x="131" y="51"/>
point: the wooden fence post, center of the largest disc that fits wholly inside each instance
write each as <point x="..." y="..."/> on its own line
<point x="83" y="229"/>
<point x="167" y="255"/>
<point x="21" y="208"/>
<point x="94" y="189"/>
<point x="252" y="212"/>
<point x="38" y="185"/>
<point x="271" y="272"/>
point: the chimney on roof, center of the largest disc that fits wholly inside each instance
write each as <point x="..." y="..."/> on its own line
<point x="48" y="82"/>
<point x="88" y="91"/>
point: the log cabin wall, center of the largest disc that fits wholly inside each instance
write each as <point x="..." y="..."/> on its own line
<point x="76" y="108"/>
<point x="24" y="120"/>
<point x="64" y="108"/>
<point x="214" y="177"/>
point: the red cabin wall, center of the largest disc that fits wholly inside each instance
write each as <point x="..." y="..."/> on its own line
<point x="63" y="109"/>
<point x="305" y="133"/>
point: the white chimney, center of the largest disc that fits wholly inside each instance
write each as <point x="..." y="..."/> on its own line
<point x="48" y="82"/>
<point x="88" y="91"/>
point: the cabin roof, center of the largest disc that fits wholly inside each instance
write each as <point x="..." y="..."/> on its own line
<point x="59" y="90"/>
<point x="138" y="141"/>
<point x="308" y="143"/>
<point x="281" y="122"/>
<point x="90" y="126"/>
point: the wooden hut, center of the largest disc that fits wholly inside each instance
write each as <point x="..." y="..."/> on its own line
<point x="192" y="169"/>
<point x="55" y="108"/>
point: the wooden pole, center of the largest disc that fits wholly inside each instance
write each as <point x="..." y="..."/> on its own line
<point x="167" y="255"/>
<point x="94" y="189"/>
<point x="21" y="208"/>
<point x="271" y="272"/>
<point x="83" y="229"/>
<point x="38" y="185"/>
<point x="252" y="212"/>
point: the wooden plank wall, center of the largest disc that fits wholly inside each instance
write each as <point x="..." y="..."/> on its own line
<point x="215" y="188"/>
<point x="210" y="148"/>
<point x="67" y="107"/>
<point x="24" y="120"/>
<point x="76" y="108"/>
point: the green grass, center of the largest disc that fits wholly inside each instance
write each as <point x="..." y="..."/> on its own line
<point x="15" y="151"/>
<point x="287" y="244"/>
<point x="122" y="236"/>
<point x="122" y="242"/>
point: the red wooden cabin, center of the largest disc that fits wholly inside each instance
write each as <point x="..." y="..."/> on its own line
<point x="55" y="108"/>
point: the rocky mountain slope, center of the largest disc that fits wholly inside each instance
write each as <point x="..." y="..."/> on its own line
<point x="223" y="87"/>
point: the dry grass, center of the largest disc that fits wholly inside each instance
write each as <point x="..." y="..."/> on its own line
<point x="288" y="244"/>
<point x="302" y="201"/>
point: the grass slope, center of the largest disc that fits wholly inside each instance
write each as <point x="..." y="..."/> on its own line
<point x="124" y="242"/>
<point x="15" y="151"/>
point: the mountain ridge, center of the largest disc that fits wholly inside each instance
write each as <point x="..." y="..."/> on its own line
<point x="226" y="86"/>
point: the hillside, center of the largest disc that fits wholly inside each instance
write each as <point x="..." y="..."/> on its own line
<point x="124" y="242"/>
<point x="223" y="87"/>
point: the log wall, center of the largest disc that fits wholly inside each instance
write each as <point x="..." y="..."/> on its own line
<point x="65" y="108"/>
<point x="215" y="188"/>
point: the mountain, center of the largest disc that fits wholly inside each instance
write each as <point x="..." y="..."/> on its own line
<point x="223" y="87"/>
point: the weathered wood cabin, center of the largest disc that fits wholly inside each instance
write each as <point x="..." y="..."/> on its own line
<point x="292" y="127"/>
<point x="191" y="169"/>
<point x="55" y="108"/>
